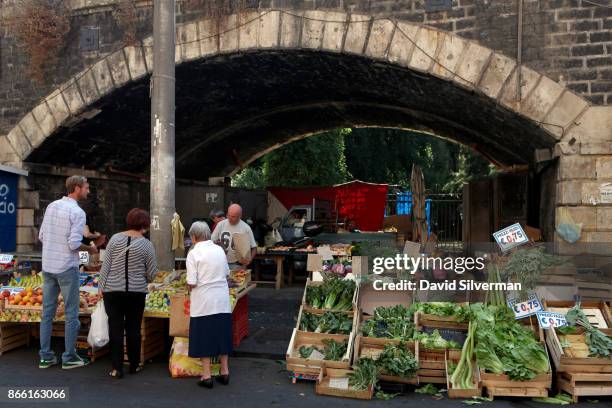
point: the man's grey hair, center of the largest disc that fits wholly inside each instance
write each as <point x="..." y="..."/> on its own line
<point x="200" y="231"/>
<point x="75" y="181"/>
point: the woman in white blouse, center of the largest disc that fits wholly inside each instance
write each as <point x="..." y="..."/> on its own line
<point x="210" y="326"/>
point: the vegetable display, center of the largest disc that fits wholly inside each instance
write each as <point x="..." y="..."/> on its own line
<point x="397" y="361"/>
<point x="504" y="346"/>
<point x="461" y="313"/>
<point x="333" y="294"/>
<point x="365" y="374"/>
<point x="462" y="377"/>
<point x="435" y="341"/>
<point x="600" y="345"/>
<point x="395" y="322"/>
<point x="333" y="350"/>
<point x="328" y="322"/>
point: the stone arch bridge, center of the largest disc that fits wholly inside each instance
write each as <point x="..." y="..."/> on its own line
<point x="250" y="81"/>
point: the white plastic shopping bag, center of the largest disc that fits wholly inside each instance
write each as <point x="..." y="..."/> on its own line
<point x="98" y="331"/>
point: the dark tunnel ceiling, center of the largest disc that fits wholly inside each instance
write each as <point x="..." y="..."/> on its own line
<point x="248" y="102"/>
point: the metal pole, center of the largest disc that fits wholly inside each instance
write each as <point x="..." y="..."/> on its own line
<point x="519" y="50"/>
<point x="162" y="132"/>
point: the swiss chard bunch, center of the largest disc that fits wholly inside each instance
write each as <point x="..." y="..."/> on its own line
<point x="393" y="322"/>
<point x="461" y="313"/>
<point x="328" y="322"/>
<point x="333" y="294"/>
<point x="398" y="361"/>
<point x="332" y="351"/>
<point x="364" y="375"/>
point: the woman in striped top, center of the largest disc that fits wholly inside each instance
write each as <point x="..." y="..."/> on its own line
<point x="129" y="265"/>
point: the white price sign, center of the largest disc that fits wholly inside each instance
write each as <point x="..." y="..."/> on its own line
<point x="510" y="237"/>
<point x="551" y="319"/>
<point x="84" y="257"/>
<point x="526" y="308"/>
<point x="5" y="259"/>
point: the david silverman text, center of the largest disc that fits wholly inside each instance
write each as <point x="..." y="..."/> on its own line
<point x="446" y="285"/>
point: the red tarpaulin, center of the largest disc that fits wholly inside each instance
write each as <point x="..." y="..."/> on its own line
<point x="362" y="203"/>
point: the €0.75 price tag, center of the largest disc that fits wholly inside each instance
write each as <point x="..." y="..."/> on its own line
<point x="5" y="259"/>
<point x="551" y="319"/>
<point x="510" y="237"/>
<point x="84" y="257"/>
<point x="526" y="308"/>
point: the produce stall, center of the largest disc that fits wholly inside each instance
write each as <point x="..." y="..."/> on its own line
<point x="21" y="308"/>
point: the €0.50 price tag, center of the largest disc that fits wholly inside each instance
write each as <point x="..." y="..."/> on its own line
<point x="510" y="237"/>
<point x="83" y="257"/>
<point x="526" y="308"/>
<point x="551" y="319"/>
<point x="5" y="259"/>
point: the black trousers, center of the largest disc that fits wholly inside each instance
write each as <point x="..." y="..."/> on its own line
<point x="124" y="310"/>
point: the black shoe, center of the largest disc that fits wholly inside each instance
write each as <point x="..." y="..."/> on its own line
<point x="135" y="370"/>
<point x="116" y="374"/>
<point x="223" y="379"/>
<point x="206" y="383"/>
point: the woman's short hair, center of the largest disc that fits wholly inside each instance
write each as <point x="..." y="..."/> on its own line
<point x="200" y="231"/>
<point x="137" y="219"/>
<point x="217" y="213"/>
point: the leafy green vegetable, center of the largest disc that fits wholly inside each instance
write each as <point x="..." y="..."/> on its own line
<point x="395" y="322"/>
<point x="328" y="322"/>
<point x="504" y="346"/>
<point x="380" y="394"/>
<point x="429" y="389"/>
<point x="334" y="350"/>
<point x="550" y="400"/>
<point x="334" y="293"/>
<point x="305" y="352"/>
<point x="462" y="375"/>
<point x="526" y="265"/>
<point x="442" y="309"/>
<point x="397" y="361"/>
<point x="600" y="345"/>
<point x="364" y="374"/>
<point x="435" y="341"/>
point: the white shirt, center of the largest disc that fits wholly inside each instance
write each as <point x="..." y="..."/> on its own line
<point x="224" y="232"/>
<point x="207" y="269"/>
<point x="61" y="233"/>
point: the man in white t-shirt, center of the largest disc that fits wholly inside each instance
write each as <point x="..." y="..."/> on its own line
<point x="225" y="230"/>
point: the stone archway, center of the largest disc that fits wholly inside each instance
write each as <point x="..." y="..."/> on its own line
<point x="580" y="133"/>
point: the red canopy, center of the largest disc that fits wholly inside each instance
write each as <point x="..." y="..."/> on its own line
<point x="363" y="203"/>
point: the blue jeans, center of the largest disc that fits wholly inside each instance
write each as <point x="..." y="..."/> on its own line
<point x="68" y="283"/>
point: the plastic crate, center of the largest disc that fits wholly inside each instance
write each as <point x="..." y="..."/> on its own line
<point x="240" y="321"/>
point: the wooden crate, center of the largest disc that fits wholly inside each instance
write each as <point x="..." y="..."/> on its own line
<point x="153" y="339"/>
<point x="438" y="322"/>
<point x="559" y="275"/>
<point x="585" y="384"/>
<point x="594" y="290"/>
<point x="301" y="372"/>
<point x="372" y="347"/>
<point x="432" y="366"/>
<point x="575" y="359"/>
<point x="323" y="388"/>
<point x="300" y="338"/>
<point x="598" y="312"/>
<point x="455" y="356"/>
<point x="13" y="335"/>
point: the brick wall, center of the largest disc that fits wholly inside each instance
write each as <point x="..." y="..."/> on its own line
<point x="569" y="40"/>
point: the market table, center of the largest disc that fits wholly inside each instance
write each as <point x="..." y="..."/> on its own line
<point x="278" y="260"/>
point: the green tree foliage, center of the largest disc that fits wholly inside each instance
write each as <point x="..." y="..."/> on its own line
<point x="369" y="154"/>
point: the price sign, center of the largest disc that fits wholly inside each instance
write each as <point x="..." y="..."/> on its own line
<point x="526" y="308"/>
<point x="5" y="259"/>
<point x="551" y="319"/>
<point x="84" y="257"/>
<point x="510" y="237"/>
<point x="12" y="289"/>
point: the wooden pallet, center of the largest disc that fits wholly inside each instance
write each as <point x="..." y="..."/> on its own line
<point x="323" y="385"/>
<point x="13" y="335"/>
<point x="372" y="347"/>
<point x="585" y="384"/>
